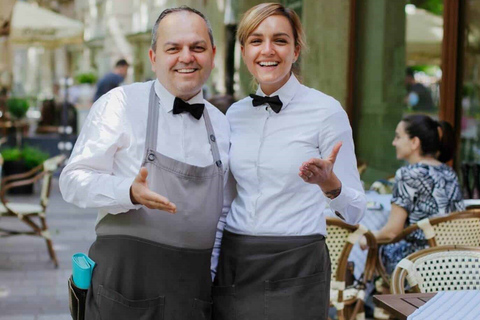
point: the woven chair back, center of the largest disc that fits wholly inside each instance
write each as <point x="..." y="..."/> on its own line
<point x="443" y="268"/>
<point x="337" y="244"/>
<point x="458" y="232"/>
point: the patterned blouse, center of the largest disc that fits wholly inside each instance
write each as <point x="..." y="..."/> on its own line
<point x="423" y="191"/>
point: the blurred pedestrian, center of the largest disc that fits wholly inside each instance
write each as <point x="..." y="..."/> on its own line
<point x="291" y="154"/>
<point x="112" y="79"/>
<point x="419" y="97"/>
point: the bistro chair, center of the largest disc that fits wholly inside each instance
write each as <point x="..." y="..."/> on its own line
<point x="26" y="212"/>
<point x="341" y="237"/>
<point x="442" y="268"/>
<point x="459" y="228"/>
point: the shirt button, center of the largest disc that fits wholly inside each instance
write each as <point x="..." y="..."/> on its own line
<point x="151" y="157"/>
<point x="212" y="137"/>
<point x="218" y="163"/>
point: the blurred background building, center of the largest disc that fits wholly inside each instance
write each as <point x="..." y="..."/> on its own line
<point x="359" y="51"/>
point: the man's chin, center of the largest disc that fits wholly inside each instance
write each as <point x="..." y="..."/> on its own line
<point x="187" y="92"/>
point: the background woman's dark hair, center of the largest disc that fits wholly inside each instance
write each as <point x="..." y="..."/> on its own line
<point x="427" y="130"/>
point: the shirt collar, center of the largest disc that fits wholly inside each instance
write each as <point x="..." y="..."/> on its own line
<point x="286" y="92"/>
<point x="167" y="99"/>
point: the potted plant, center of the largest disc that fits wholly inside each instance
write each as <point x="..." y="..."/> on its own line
<point x="18" y="160"/>
<point x="17" y="108"/>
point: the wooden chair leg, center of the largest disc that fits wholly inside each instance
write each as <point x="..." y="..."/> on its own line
<point x="46" y="235"/>
<point x="357" y="310"/>
<point x="52" y="253"/>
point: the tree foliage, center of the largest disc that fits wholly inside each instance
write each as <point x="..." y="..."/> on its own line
<point x="434" y="6"/>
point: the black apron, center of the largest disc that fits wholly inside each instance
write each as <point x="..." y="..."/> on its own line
<point x="152" y="264"/>
<point x="274" y="278"/>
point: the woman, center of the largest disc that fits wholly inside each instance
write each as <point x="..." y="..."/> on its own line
<point x="291" y="154"/>
<point x="423" y="188"/>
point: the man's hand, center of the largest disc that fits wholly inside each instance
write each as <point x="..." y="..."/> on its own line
<point x="320" y="172"/>
<point x="141" y="194"/>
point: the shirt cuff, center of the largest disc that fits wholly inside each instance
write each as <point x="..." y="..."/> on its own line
<point x="341" y="201"/>
<point x="122" y="194"/>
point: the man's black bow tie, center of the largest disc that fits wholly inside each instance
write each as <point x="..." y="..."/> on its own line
<point x="196" y="109"/>
<point x="274" y="102"/>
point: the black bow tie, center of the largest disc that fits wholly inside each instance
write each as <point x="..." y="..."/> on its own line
<point x="274" y="102"/>
<point x="196" y="109"/>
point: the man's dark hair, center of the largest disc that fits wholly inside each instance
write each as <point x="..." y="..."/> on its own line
<point x="178" y="9"/>
<point x="410" y="72"/>
<point x="121" y="63"/>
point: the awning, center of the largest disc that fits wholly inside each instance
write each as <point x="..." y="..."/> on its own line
<point x="6" y="7"/>
<point x="35" y="25"/>
<point x="424" y="37"/>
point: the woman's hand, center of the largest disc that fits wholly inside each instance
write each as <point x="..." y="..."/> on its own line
<point x="320" y="172"/>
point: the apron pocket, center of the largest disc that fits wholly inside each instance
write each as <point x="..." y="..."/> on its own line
<point x="202" y="310"/>
<point x="112" y="306"/>
<point x="224" y="302"/>
<point x="297" y="298"/>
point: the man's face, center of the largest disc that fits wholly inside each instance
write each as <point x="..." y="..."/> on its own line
<point x="122" y="71"/>
<point x="183" y="59"/>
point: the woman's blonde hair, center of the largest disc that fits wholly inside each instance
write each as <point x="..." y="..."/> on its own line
<point x="255" y="15"/>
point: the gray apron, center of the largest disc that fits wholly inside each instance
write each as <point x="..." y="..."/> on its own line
<point x="152" y="264"/>
<point x="272" y="278"/>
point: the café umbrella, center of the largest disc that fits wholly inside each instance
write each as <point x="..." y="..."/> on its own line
<point x="33" y="25"/>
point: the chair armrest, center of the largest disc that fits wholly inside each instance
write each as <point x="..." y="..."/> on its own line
<point x="371" y="257"/>
<point x="20" y="176"/>
<point x="18" y="184"/>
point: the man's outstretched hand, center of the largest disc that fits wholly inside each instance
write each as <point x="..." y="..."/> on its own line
<point x="141" y="194"/>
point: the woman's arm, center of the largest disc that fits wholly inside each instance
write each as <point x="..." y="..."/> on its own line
<point x="395" y="224"/>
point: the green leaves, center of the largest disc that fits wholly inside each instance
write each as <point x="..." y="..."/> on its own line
<point x="17" y="107"/>
<point x="31" y="156"/>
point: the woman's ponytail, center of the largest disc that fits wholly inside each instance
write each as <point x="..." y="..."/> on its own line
<point x="446" y="146"/>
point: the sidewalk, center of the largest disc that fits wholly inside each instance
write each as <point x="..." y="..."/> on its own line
<point x="30" y="287"/>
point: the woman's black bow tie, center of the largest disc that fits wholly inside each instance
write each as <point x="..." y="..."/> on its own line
<point x="196" y="109"/>
<point x="274" y="102"/>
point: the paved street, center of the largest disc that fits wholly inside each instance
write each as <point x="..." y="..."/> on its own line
<point x="30" y="287"/>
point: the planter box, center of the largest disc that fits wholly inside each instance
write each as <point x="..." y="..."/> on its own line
<point x="16" y="167"/>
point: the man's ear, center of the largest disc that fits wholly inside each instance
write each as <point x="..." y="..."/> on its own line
<point x="153" y="58"/>
<point x="214" y="51"/>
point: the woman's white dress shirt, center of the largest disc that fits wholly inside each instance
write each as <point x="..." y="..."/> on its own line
<point x="111" y="146"/>
<point x="267" y="150"/>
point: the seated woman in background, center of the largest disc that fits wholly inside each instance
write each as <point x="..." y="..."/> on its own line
<point x="424" y="188"/>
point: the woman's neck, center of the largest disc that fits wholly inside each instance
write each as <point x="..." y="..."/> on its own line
<point x="416" y="158"/>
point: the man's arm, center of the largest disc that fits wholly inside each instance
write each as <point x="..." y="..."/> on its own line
<point x="88" y="179"/>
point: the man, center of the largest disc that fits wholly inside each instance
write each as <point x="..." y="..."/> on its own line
<point x="153" y="159"/>
<point x="419" y="97"/>
<point x="112" y="79"/>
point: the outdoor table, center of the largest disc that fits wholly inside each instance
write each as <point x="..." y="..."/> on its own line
<point x="372" y="220"/>
<point x="402" y="305"/>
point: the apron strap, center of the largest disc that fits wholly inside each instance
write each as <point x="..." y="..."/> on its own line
<point x="152" y="129"/>
<point x="152" y="122"/>
<point x="212" y="140"/>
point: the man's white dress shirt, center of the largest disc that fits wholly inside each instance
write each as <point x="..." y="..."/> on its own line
<point x="111" y="146"/>
<point x="267" y="150"/>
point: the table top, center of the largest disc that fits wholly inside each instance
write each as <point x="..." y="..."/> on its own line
<point x="402" y="305"/>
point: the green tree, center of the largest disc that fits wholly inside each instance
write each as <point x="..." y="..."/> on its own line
<point x="434" y="6"/>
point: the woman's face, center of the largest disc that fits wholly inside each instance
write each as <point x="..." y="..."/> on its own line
<point x="403" y="144"/>
<point x="269" y="53"/>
